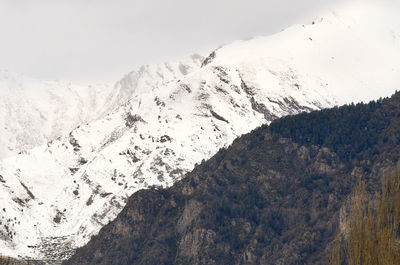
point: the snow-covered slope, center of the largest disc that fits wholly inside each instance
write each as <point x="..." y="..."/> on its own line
<point x="33" y="112"/>
<point x="55" y="196"/>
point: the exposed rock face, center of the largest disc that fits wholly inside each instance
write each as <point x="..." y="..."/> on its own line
<point x="191" y="212"/>
<point x="270" y="198"/>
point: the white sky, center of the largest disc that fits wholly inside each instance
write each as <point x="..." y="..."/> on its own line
<point x="102" y="40"/>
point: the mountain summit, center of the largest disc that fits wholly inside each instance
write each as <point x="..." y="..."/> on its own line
<point x="57" y="195"/>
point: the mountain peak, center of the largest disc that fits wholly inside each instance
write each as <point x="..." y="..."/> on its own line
<point x="170" y="116"/>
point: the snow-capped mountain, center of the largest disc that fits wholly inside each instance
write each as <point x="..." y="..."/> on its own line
<point x="32" y="111"/>
<point x="56" y="196"/>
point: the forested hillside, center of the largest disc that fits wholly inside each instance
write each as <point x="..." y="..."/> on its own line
<point x="273" y="197"/>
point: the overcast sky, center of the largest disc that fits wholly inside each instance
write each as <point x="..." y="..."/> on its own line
<point x="101" y="40"/>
